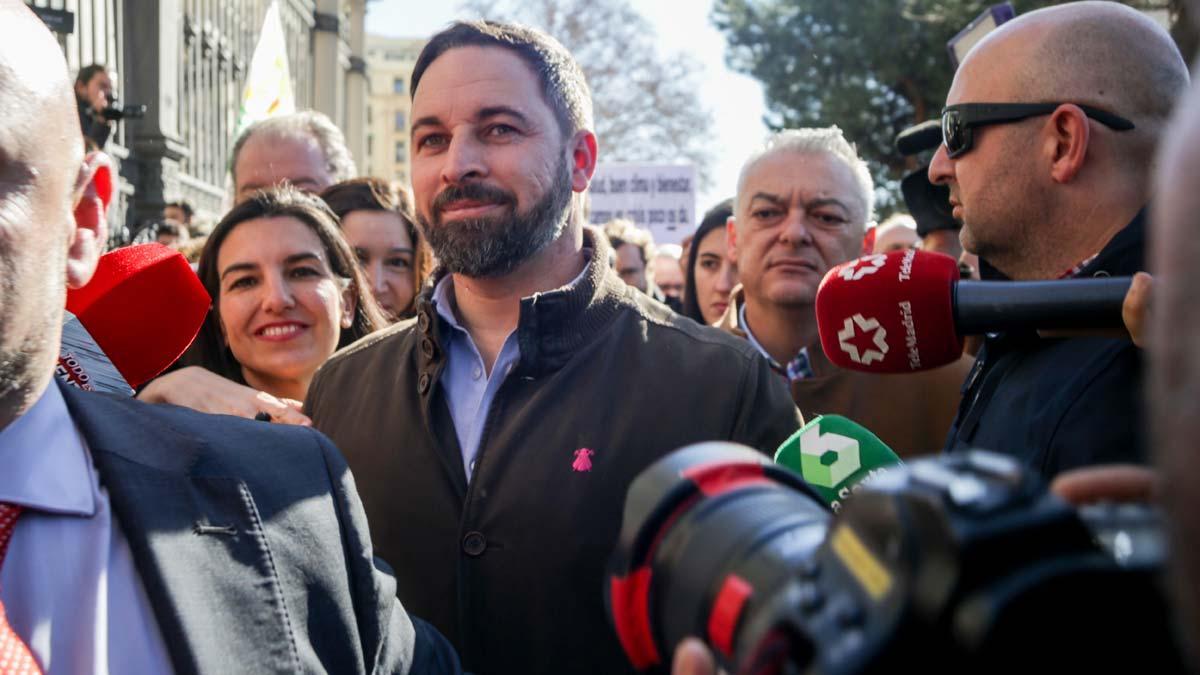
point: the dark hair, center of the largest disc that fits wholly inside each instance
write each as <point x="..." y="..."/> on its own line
<point x="170" y="227"/>
<point x="375" y="194"/>
<point x="563" y="83"/>
<point x="182" y="205"/>
<point x="716" y="217"/>
<point x="86" y="73"/>
<point x="209" y="350"/>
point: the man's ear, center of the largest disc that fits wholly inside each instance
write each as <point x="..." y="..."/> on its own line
<point x="730" y="238"/>
<point x="584" y="151"/>
<point x="93" y="193"/>
<point x="1068" y="135"/>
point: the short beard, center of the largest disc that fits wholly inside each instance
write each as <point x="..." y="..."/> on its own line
<point x="493" y="247"/>
<point x="18" y="373"/>
<point x="14" y="372"/>
<point x="24" y="339"/>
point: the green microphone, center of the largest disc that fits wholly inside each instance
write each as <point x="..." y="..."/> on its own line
<point x="835" y="457"/>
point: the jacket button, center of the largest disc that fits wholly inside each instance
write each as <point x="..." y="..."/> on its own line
<point x="474" y="544"/>
<point x="427" y="348"/>
<point x="423" y="383"/>
<point x="424" y="322"/>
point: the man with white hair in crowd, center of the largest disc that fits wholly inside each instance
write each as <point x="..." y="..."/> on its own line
<point x="896" y="233"/>
<point x="668" y="271"/>
<point x="802" y="205"/>
<point x="303" y="148"/>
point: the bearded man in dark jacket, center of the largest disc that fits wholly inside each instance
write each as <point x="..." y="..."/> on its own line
<point x="493" y="436"/>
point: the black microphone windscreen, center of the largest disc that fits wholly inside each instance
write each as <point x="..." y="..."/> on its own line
<point x="919" y="137"/>
<point x="929" y="204"/>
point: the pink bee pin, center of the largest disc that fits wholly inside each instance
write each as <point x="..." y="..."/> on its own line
<point x="583" y="459"/>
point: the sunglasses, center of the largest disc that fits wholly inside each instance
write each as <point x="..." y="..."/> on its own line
<point x="958" y="120"/>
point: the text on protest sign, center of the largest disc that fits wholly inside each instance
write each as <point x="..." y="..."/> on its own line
<point x="660" y="198"/>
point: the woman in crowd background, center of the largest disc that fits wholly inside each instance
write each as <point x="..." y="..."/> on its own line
<point x="711" y="275"/>
<point x="377" y="220"/>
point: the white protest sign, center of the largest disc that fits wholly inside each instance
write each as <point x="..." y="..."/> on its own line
<point x="658" y="197"/>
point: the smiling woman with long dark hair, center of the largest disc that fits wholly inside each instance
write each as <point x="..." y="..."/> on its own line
<point x="286" y="294"/>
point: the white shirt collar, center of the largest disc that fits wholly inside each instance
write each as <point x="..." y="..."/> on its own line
<point x="44" y="463"/>
<point x="750" y="335"/>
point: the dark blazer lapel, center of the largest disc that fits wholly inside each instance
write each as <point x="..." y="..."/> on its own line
<point x="196" y="539"/>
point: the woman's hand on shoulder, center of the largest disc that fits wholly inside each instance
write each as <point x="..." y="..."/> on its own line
<point x="202" y="390"/>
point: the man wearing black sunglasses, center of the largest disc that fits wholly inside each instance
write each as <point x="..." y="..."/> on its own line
<point x="1048" y="139"/>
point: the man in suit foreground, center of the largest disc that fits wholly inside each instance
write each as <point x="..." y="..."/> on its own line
<point x="147" y="539"/>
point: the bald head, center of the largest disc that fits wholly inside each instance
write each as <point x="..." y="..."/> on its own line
<point x="36" y="103"/>
<point x="1100" y="53"/>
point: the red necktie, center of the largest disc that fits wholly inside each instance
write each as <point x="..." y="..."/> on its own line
<point x="15" y="658"/>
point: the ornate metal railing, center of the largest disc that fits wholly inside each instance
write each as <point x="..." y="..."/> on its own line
<point x="216" y="44"/>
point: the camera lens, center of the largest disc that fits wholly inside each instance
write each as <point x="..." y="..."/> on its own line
<point x="917" y="573"/>
<point x="712" y="535"/>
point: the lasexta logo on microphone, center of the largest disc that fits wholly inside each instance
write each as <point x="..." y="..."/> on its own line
<point x="858" y="329"/>
<point x="828" y="459"/>
<point x="835" y="456"/>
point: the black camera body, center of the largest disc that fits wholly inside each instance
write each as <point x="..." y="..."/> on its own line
<point x="961" y="563"/>
<point x="115" y="112"/>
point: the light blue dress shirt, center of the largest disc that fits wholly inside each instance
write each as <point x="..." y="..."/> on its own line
<point x="68" y="583"/>
<point x="469" y="388"/>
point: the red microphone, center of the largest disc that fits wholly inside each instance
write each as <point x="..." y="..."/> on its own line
<point x="143" y="308"/>
<point x="889" y="313"/>
<point x="907" y="310"/>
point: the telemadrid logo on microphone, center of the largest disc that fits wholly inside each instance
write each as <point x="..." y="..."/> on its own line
<point x="857" y="269"/>
<point x="891" y="313"/>
<point x="848" y="332"/>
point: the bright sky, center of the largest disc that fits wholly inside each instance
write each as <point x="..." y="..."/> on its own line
<point x="735" y="100"/>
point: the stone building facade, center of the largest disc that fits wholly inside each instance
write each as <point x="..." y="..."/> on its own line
<point x="187" y="61"/>
<point x="390" y="64"/>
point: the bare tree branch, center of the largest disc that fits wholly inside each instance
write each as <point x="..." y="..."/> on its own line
<point x="646" y="103"/>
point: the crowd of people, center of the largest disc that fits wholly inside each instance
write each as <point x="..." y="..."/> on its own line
<point x="488" y="374"/>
